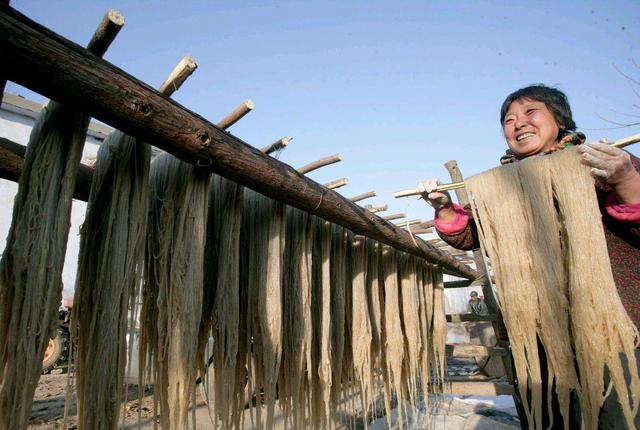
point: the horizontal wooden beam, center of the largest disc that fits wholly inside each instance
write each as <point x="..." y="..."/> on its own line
<point x="473" y="351"/>
<point x="31" y="55"/>
<point x="479" y="388"/>
<point x="12" y="159"/>
<point x="470" y="317"/>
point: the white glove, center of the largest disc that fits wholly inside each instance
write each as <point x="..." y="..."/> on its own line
<point x="437" y="199"/>
<point x="609" y="163"/>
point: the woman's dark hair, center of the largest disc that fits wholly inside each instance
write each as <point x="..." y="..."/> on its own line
<point x="555" y="100"/>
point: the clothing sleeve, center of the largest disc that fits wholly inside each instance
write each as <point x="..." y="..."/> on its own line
<point x="461" y="232"/>
<point x="623" y="219"/>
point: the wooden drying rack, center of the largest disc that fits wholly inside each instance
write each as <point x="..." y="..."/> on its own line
<point x="31" y="54"/>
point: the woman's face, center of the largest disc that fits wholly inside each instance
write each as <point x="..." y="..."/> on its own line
<point x="529" y="127"/>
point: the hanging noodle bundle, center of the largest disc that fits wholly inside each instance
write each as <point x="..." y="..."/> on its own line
<point x="221" y="311"/>
<point x="296" y="309"/>
<point x="321" y="308"/>
<point x="338" y="265"/>
<point x="410" y="323"/>
<point x="392" y="335"/>
<point x="362" y="336"/>
<point x="172" y="295"/>
<point x="374" y="299"/>
<point x="264" y="220"/>
<point x="109" y="272"/>
<point x="560" y="294"/>
<point x="32" y="262"/>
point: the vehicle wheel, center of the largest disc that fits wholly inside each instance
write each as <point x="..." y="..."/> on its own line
<point x="56" y="351"/>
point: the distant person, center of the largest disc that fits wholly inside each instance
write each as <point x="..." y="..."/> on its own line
<point x="476" y="305"/>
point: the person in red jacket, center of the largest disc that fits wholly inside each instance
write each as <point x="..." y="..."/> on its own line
<point x="537" y="120"/>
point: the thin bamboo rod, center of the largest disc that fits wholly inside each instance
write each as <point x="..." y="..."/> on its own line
<point x="621" y="143"/>
<point x="409" y="222"/>
<point x="337" y="183"/>
<point x="422" y="231"/>
<point x="182" y="71"/>
<point x="235" y="116"/>
<point x="335" y="158"/>
<point x="107" y="31"/>
<point x="394" y="216"/>
<point x="31" y="54"/>
<point x="363" y="196"/>
<point x="278" y="144"/>
<point x="376" y="209"/>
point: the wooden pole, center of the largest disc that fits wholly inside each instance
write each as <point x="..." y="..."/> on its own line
<point x="176" y="78"/>
<point x="3" y="79"/>
<point x="335" y="158"/>
<point x="278" y="144"/>
<point x="620" y="143"/>
<point x="363" y="196"/>
<point x="235" y="116"/>
<point x="337" y="183"/>
<point x="376" y="209"/>
<point x="394" y="216"/>
<point x="31" y="54"/>
<point x="410" y="222"/>
<point x="107" y="31"/>
<point x="422" y="230"/>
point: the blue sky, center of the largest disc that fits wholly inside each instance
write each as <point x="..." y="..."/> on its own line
<point x="398" y="88"/>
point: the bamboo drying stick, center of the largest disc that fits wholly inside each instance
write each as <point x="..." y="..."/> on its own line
<point x="394" y="216"/>
<point x="183" y="70"/>
<point x="337" y="183"/>
<point x="278" y="144"/>
<point x="422" y="231"/>
<point x="106" y="32"/>
<point x="376" y="209"/>
<point x="411" y="222"/>
<point x="363" y="196"/>
<point x="320" y="163"/>
<point x="235" y="116"/>
<point x="621" y="143"/>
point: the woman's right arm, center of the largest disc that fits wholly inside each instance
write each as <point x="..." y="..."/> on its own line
<point x="452" y="222"/>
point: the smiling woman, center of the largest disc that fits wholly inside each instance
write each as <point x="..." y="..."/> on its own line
<point x="537" y="120"/>
<point x="530" y="125"/>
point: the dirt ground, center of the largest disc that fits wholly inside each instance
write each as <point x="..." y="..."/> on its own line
<point x="49" y="403"/>
<point x="451" y="413"/>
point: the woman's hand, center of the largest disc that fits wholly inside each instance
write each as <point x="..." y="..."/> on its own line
<point x="440" y="200"/>
<point x="437" y="199"/>
<point x="613" y="165"/>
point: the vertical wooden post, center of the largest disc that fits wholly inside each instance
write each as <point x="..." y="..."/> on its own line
<point x="492" y="304"/>
<point x="3" y="79"/>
